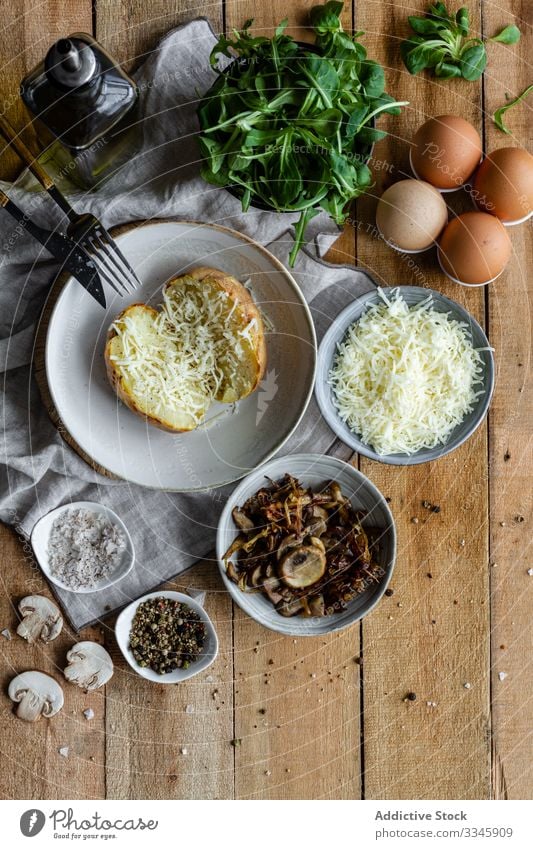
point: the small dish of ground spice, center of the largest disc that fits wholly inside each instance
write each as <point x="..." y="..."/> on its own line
<point x="83" y="547"/>
<point x="166" y="637"/>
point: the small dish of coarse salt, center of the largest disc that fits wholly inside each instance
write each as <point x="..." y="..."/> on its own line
<point x="83" y="547"/>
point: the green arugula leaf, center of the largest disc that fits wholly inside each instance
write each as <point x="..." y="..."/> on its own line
<point x="462" y="20"/>
<point x="498" y="115"/>
<point x="447" y="70"/>
<point x="326" y="18"/>
<point x="426" y="26"/>
<point x="473" y="61"/>
<point x="508" y="35"/>
<point x="290" y="128"/>
<point x="441" y="42"/>
<point x="372" y="78"/>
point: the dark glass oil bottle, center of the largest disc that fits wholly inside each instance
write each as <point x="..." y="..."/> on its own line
<point x="83" y="103"/>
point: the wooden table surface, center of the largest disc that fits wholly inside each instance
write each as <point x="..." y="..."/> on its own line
<point x="327" y="718"/>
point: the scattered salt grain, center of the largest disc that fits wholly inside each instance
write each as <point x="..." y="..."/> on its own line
<point x="63" y="751"/>
<point x="189" y="709"/>
<point x="6" y="633"/>
<point x="467" y="686"/>
<point x="184" y="750"/>
<point x="197" y="595"/>
<point x="529" y="572"/>
<point x="502" y="676"/>
<point x="84" y="547"/>
<point x="88" y="714"/>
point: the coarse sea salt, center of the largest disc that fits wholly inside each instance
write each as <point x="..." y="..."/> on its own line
<point x="84" y="548"/>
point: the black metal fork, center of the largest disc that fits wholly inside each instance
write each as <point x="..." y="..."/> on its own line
<point x="84" y="229"/>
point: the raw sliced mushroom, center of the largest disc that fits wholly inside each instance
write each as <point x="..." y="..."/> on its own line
<point x="89" y="665"/>
<point x="37" y="695"/>
<point x="40" y="618"/>
<point x="302" y="566"/>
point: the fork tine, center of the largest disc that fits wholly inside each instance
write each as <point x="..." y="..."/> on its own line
<point x="104" y="270"/>
<point x="114" y="248"/>
<point x="110" y="252"/>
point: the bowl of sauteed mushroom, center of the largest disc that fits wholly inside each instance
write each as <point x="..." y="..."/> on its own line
<point x="306" y="545"/>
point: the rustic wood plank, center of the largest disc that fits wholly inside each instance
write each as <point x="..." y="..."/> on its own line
<point x="25" y="36"/>
<point x="431" y="636"/>
<point x="511" y="449"/>
<point x="34" y="767"/>
<point x="36" y="770"/>
<point x="131" y="30"/>
<point x="174" y="741"/>
<point x="296" y="701"/>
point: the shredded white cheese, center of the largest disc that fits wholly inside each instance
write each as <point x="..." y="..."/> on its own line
<point x="181" y="358"/>
<point x="404" y="377"/>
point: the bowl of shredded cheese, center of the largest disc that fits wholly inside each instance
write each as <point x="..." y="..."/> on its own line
<point x="405" y="375"/>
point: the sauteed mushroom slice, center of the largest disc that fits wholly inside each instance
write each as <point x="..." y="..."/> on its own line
<point x="317" y="605"/>
<point x="255" y="579"/>
<point x="318" y="523"/>
<point x="243" y="522"/>
<point x="317" y="542"/>
<point x="291" y="608"/>
<point x="288" y="542"/>
<point x="302" y="566"/>
<point x="271" y="588"/>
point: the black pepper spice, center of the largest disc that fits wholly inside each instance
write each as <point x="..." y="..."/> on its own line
<point x="411" y="697"/>
<point x="166" y="635"/>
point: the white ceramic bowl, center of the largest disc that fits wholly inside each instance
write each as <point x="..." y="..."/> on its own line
<point x="336" y="333"/>
<point x="41" y="534"/>
<point x="209" y="653"/>
<point x="314" y="470"/>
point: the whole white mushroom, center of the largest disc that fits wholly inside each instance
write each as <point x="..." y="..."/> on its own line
<point x="36" y="694"/>
<point x="89" y="665"/>
<point x="40" y="618"/>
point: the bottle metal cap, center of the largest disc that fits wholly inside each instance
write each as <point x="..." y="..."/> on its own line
<point x="70" y="63"/>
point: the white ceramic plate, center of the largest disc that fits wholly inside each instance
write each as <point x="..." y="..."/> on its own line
<point x="209" y="653"/>
<point x="41" y="534"/>
<point x="314" y="470"/>
<point x="232" y="442"/>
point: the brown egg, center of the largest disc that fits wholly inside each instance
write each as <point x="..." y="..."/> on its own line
<point x="411" y="215"/>
<point x="446" y="151"/>
<point x="504" y="184"/>
<point x="474" y="248"/>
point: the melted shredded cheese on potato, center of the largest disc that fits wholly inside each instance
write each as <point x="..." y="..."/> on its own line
<point x="176" y="363"/>
<point x="404" y="377"/>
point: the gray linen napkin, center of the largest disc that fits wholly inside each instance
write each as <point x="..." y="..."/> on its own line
<point x="38" y="470"/>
